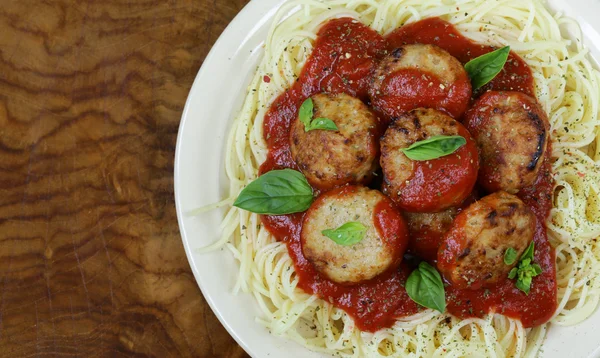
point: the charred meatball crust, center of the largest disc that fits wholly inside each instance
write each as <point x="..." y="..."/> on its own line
<point x="333" y="158"/>
<point x="511" y="131"/>
<point x="420" y="75"/>
<point x="471" y="255"/>
<point x="379" y="250"/>
<point x="427" y="186"/>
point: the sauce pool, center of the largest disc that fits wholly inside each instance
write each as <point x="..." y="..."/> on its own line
<point x="515" y="76"/>
<point x="343" y="60"/>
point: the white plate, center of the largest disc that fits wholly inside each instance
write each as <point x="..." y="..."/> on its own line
<point x="200" y="179"/>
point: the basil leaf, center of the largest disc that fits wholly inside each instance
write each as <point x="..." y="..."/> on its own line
<point x="528" y="253"/>
<point x="434" y="147"/>
<point x="526" y="270"/>
<point x="537" y="269"/>
<point x="524" y="284"/>
<point x="484" y="68"/>
<point x="425" y="287"/>
<point x="510" y="256"/>
<point x="324" y="124"/>
<point x="348" y="234"/>
<point x="277" y="192"/>
<point x="305" y="114"/>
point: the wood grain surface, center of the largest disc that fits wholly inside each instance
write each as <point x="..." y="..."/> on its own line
<point x="91" y="95"/>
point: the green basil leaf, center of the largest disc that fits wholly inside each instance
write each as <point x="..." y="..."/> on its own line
<point x="434" y="147"/>
<point x="537" y="269"/>
<point x="277" y="192"/>
<point x="425" y="287"/>
<point x="484" y="68"/>
<point x="526" y="270"/>
<point x="524" y="284"/>
<point x="324" y="124"/>
<point x="348" y="234"/>
<point x="510" y="256"/>
<point x="305" y="113"/>
<point x="528" y="253"/>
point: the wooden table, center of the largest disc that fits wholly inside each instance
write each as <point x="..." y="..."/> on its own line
<point x="91" y="261"/>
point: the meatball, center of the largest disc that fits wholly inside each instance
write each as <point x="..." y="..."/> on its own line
<point x="420" y="76"/>
<point x="472" y="252"/>
<point x="433" y="185"/>
<point x="511" y="130"/>
<point x="332" y="158"/>
<point x="381" y="248"/>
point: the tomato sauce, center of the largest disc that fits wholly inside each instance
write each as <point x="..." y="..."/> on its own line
<point x="425" y="241"/>
<point x="407" y="89"/>
<point x="427" y="230"/>
<point x="435" y="183"/>
<point x="391" y="226"/>
<point x="343" y="60"/>
<point x="515" y="76"/>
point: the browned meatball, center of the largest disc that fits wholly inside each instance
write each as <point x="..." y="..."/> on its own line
<point x="471" y="254"/>
<point x="332" y="158"/>
<point x="511" y="130"/>
<point x="381" y="248"/>
<point x="420" y="75"/>
<point x="433" y="185"/>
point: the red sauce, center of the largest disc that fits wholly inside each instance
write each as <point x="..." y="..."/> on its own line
<point x="441" y="183"/>
<point x="425" y="238"/>
<point x="391" y="226"/>
<point x="428" y="230"/>
<point x="343" y="60"/>
<point x="515" y="76"/>
<point x="408" y="89"/>
<point x="426" y="242"/>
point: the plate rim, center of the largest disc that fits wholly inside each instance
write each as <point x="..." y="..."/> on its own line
<point x="248" y="8"/>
